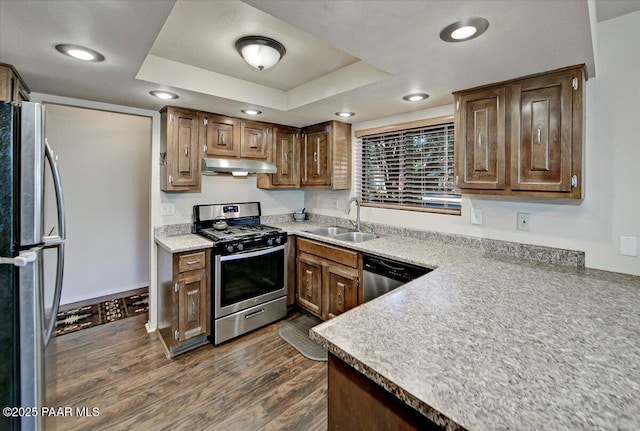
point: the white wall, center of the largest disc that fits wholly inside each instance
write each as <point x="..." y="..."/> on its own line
<point x="103" y="159"/>
<point x="612" y="192"/>
<point x="215" y="189"/>
<point x="225" y="188"/>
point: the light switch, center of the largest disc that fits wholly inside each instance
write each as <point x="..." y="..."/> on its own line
<point x="628" y="245"/>
<point x="168" y="209"/>
<point x="476" y="216"/>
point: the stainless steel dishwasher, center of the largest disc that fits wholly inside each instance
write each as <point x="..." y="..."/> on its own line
<point x="381" y="275"/>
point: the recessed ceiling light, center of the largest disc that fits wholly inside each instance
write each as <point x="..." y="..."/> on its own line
<point x="165" y="95"/>
<point x="259" y="51"/>
<point x="79" y="52"/>
<point x="465" y="29"/>
<point x="415" y="97"/>
<point x="345" y="114"/>
<point x="251" y="111"/>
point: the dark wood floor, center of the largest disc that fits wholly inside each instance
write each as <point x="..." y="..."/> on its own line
<point x="256" y="382"/>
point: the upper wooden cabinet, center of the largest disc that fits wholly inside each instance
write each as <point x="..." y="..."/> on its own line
<point x="480" y="150"/>
<point x="12" y="87"/>
<point x="218" y="136"/>
<point x="179" y="150"/>
<point x="286" y="156"/>
<point x="522" y="137"/>
<point x="326" y="156"/>
<point x="255" y="140"/>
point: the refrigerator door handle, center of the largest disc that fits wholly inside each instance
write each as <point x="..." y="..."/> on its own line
<point x="58" y="188"/>
<point x="55" y="242"/>
<point x="50" y="326"/>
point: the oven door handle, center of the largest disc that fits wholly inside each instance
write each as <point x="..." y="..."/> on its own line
<point x="261" y="252"/>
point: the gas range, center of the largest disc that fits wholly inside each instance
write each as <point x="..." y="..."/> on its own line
<point x="244" y="231"/>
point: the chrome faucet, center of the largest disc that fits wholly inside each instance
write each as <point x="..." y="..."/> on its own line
<point x="347" y="210"/>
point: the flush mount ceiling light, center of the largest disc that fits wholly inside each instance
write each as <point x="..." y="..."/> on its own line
<point x="345" y="114"/>
<point x="165" y="95"/>
<point x="465" y="29"/>
<point x="415" y="97"/>
<point x="79" y="52"/>
<point x="259" y="51"/>
<point x="251" y="111"/>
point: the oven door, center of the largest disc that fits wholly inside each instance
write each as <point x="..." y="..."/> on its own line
<point x="243" y="280"/>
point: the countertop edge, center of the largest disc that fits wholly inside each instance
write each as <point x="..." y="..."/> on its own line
<point x="406" y="397"/>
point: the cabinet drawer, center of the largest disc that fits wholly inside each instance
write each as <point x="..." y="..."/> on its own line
<point x="345" y="257"/>
<point x="191" y="261"/>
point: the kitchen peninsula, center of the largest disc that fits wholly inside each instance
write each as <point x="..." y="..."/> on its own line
<point x="487" y="342"/>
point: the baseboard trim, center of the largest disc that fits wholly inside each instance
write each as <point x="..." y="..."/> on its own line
<point x="150" y="329"/>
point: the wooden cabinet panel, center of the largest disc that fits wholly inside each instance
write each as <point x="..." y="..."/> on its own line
<point x="342" y="286"/>
<point x="180" y="157"/>
<point x="286" y="157"/>
<point x="192" y="320"/>
<point x="480" y="139"/>
<point x="522" y="137"/>
<point x="541" y="111"/>
<point x="254" y="140"/>
<point x="325" y="160"/>
<point x="315" y="159"/>
<point x="310" y="283"/>
<point x="218" y="136"/>
<point x="328" y="278"/>
<point x="336" y="254"/>
<point x="12" y="87"/>
<point x="191" y="261"/>
<point x="183" y="300"/>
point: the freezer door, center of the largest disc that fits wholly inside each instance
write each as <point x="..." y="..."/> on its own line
<point x="32" y="378"/>
<point x="31" y="155"/>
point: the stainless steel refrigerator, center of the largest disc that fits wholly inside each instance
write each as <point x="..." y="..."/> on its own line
<point x="28" y="301"/>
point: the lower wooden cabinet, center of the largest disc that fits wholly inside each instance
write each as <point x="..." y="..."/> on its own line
<point x="328" y="278"/>
<point x="184" y="311"/>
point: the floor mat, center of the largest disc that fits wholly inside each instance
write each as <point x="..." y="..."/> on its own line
<point x="296" y="333"/>
<point x="98" y="314"/>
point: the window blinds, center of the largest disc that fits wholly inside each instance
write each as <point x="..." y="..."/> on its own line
<point x="409" y="169"/>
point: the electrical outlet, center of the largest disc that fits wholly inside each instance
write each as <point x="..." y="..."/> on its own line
<point x="524" y="221"/>
<point x="334" y="203"/>
<point x="628" y="245"/>
<point x="167" y="209"/>
<point x="476" y="216"/>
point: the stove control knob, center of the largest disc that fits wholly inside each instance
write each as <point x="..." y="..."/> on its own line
<point x="278" y="240"/>
<point x="230" y="248"/>
<point x="270" y="242"/>
<point x="240" y="247"/>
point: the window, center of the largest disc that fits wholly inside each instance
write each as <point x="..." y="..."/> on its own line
<point x="408" y="168"/>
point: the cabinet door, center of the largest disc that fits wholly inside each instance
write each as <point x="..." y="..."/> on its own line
<point x="310" y="283"/>
<point x="254" y="140"/>
<point x="218" y="136"/>
<point x="480" y="140"/>
<point x="342" y="284"/>
<point x="182" y="149"/>
<point x="286" y="158"/>
<point x="541" y="126"/>
<point x="315" y="159"/>
<point x="192" y="312"/>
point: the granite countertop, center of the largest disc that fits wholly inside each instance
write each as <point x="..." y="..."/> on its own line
<point x="183" y="242"/>
<point x="490" y="343"/>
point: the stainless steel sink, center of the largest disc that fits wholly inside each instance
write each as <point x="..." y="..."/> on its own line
<point x="355" y="236"/>
<point x="330" y="231"/>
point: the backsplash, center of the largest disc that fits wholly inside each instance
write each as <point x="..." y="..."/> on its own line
<point x="172" y="229"/>
<point x="555" y="256"/>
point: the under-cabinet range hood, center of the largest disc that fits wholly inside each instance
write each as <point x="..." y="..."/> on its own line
<point x="237" y="167"/>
